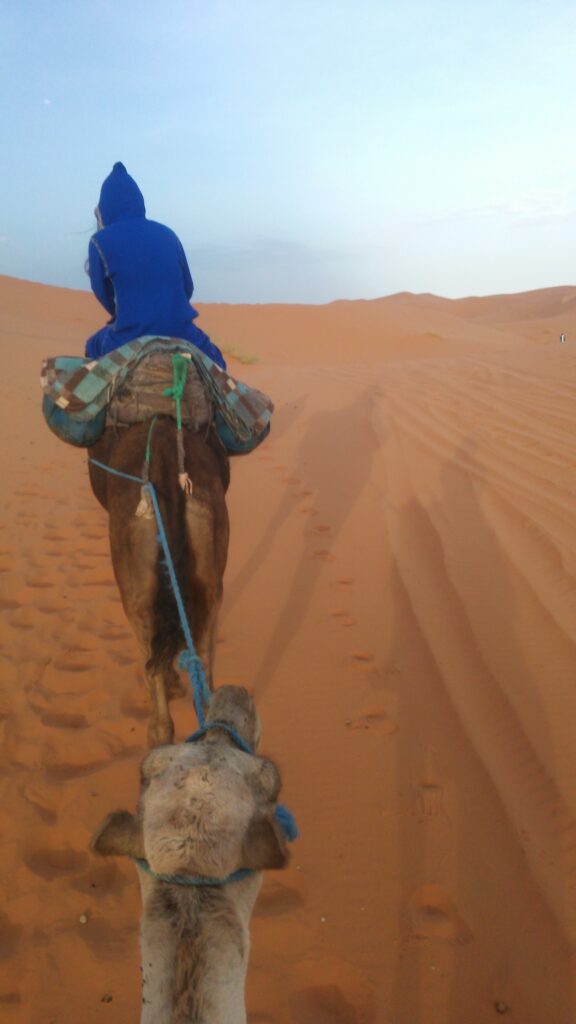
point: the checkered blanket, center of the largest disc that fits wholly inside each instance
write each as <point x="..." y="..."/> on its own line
<point x="82" y="387"/>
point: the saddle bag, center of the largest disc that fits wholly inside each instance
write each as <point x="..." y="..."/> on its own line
<point x="128" y="385"/>
<point x="81" y="428"/>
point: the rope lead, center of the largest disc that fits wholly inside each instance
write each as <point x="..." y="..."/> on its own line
<point x="192" y="663"/>
<point x="189" y="659"/>
<point x="179" y="374"/>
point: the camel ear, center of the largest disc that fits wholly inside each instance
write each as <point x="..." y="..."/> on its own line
<point x="264" y="845"/>
<point x="268" y="779"/>
<point x="119" y="835"/>
<point x="157" y="761"/>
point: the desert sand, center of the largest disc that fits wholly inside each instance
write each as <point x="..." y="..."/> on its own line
<point x="401" y="598"/>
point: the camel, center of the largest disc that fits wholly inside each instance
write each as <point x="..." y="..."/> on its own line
<point x="205" y="809"/>
<point x="197" y="528"/>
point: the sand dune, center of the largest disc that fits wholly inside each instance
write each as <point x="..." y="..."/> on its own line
<point x="401" y="595"/>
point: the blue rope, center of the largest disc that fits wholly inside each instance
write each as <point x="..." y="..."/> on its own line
<point x="238" y="740"/>
<point x="116" y="472"/>
<point x="189" y="660"/>
<point x="192" y="663"/>
<point x="287" y="822"/>
<point x="283" y="815"/>
<point x="236" y="876"/>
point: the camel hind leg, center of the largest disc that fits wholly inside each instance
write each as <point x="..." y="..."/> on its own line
<point x="207" y="532"/>
<point x="134" y="548"/>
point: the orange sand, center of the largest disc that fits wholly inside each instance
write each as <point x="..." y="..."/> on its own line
<point x="401" y="596"/>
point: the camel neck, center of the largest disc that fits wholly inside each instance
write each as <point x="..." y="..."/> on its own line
<point x="195" y="945"/>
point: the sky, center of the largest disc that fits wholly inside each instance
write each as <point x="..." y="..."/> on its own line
<point x="303" y="150"/>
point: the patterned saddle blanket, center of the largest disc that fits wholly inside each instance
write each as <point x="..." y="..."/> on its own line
<point x="126" y="386"/>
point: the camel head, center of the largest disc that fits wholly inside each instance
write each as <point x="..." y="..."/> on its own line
<point x="206" y="808"/>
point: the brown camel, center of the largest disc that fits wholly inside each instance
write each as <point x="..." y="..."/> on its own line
<point x="197" y="528"/>
<point x="205" y="809"/>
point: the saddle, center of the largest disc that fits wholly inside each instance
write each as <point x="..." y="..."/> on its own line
<point x="142" y="394"/>
<point x="129" y="385"/>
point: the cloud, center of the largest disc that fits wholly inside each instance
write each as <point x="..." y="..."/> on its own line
<point x="537" y="206"/>
<point x="267" y="270"/>
<point x="269" y="252"/>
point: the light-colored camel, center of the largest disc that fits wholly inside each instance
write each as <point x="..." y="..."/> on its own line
<point x="197" y="529"/>
<point x="205" y="809"/>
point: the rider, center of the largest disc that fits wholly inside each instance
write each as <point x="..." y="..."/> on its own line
<point x="139" y="272"/>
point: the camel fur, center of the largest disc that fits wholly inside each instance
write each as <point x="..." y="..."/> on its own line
<point x="197" y="528"/>
<point x="205" y="809"/>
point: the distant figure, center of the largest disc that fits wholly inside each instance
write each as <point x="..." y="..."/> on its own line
<point x="139" y="272"/>
<point x="562" y="339"/>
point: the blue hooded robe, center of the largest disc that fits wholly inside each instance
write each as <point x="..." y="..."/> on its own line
<point x="139" y="272"/>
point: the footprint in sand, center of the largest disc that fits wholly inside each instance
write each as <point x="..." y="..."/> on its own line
<point x="59" y="770"/>
<point x="91" y="534"/>
<point x="362" y="661"/>
<point x="39" y="583"/>
<point x="120" y="658"/>
<point x="50" y="604"/>
<point x="434" y="915"/>
<point x="343" y="582"/>
<point x="277" y="899"/>
<point x="6" y="560"/>
<point x="343" y="617"/>
<point x="324" y="555"/>
<point x="49" y="863"/>
<point x="134" y="705"/>
<point x="430" y="799"/>
<point x="111" y="633"/>
<point x="53" y="552"/>
<point x="376" y="720"/>
<point x="24" y="519"/>
<point x="324" y="1004"/>
<point x="12" y="998"/>
<point x="42" y="799"/>
<point x="25" y="491"/>
<point x="63" y="720"/>
<point x="321" y="528"/>
<point x="305" y="510"/>
<point x="72" y="664"/>
<point x="10" y="935"/>
<point x="64" y="757"/>
<point x="99" y="576"/>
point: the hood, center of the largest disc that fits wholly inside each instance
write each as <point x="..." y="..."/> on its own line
<point x="120" y="197"/>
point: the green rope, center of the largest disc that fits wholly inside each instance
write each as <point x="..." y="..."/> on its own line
<point x="149" y="441"/>
<point x="179" y="372"/>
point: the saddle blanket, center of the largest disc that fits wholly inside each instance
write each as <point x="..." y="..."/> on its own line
<point x="81" y="390"/>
